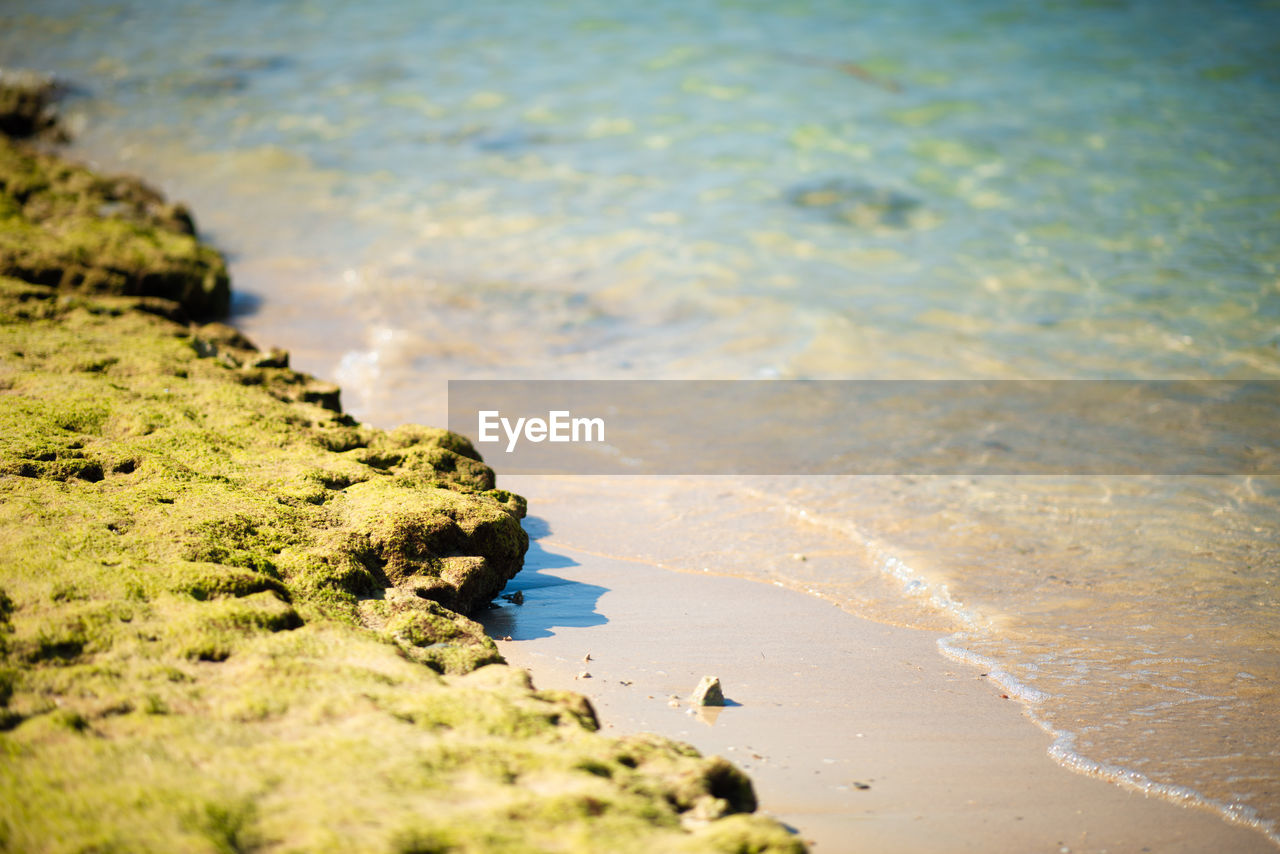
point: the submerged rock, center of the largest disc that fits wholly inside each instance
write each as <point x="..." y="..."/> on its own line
<point x="857" y="204"/>
<point x="246" y="63"/>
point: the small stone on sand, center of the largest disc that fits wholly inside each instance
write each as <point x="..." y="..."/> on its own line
<point x="708" y="693"/>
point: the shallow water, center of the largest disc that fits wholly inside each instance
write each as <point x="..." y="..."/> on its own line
<point x="411" y="192"/>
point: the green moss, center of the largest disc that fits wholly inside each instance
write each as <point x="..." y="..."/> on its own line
<point x="509" y="501"/>
<point x="227" y="825"/>
<point x="8" y="677"/>
<point x="206" y="581"/>
<point x="64" y="640"/>
<point x="53" y="232"/>
<point x="232" y="619"/>
<point x="438" y="637"/>
<point x="456" y="548"/>
<point x="415" y="435"/>
<point x="238" y="540"/>
<point x="580" y="710"/>
<point x="745" y="834"/>
<point x="430" y="466"/>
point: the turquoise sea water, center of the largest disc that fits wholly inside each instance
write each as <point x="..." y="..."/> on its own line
<point x="411" y="192"/>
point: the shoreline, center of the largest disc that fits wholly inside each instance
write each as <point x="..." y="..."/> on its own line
<point x="828" y="700"/>
<point x="1062" y="750"/>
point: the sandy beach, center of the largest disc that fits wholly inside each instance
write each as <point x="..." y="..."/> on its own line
<point x="860" y="735"/>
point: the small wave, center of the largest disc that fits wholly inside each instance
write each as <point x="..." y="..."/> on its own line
<point x="914" y="584"/>
<point x="917" y="586"/>
<point x="1064" y="753"/>
<point x="1063" y="749"/>
<point x="1011" y="686"/>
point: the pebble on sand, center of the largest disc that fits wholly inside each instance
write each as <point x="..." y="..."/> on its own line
<point x="708" y="693"/>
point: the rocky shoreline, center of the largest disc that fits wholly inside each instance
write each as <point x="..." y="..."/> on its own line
<point x="234" y="619"/>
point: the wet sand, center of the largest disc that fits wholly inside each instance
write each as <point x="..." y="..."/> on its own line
<point x="859" y="735"/>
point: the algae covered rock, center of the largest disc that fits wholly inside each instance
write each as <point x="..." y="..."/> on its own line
<point x="236" y="634"/>
<point x="27" y="103"/>
<point x="65" y="227"/>
<point x="231" y="617"/>
<point x="457" y="548"/>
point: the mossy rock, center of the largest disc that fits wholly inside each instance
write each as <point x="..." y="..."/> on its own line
<point x="64" y="227"/>
<point x="230" y="616"/>
<point x="456" y="548"/>
<point x="27" y="103"/>
<point x="439" y="638"/>
<point x="416" y="436"/>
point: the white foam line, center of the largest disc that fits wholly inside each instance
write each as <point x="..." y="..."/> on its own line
<point x="1063" y="749"/>
<point x="914" y="584"/>
<point x="994" y="671"/>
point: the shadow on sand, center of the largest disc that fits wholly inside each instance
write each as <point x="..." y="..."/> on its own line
<point x="549" y="601"/>
<point x="244" y="303"/>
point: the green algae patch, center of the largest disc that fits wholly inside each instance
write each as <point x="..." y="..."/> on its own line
<point x="66" y="227"/>
<point x="234" y="619"/>
<point x="932" y="112"/>
<point x="208" y="488"/>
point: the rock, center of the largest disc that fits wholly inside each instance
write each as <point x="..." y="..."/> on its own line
<point x="213" y="589"/>
<point x="708" y="693"/>
<point x="224" y="337"/>
<point x="578" y="707"/>
<point x="325" y="395"/>
<point x="858" y="204"/>
<point x="459" y="549"/>
<point x="273" y="358"/>
<point x="67" y="228"/>
<point x="443" y="640"/>
<point x="26" y="103"/>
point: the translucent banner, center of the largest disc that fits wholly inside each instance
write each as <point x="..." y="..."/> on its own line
<point x="952" y="427"/>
